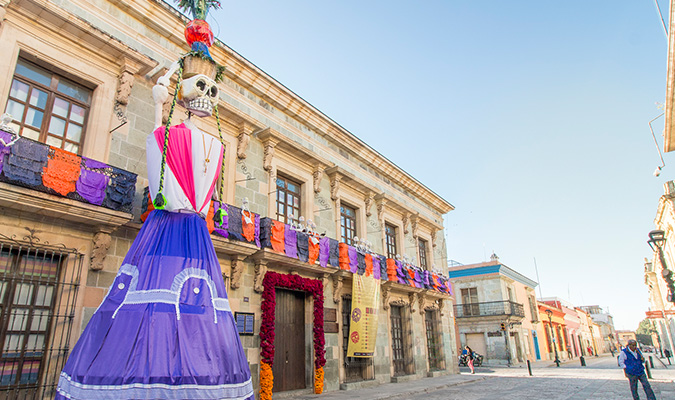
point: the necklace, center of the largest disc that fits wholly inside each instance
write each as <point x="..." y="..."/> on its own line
<point x="207" y="160"/>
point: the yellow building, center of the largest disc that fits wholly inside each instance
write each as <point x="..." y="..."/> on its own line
<point x="552" y="332"/>
<point x="78" y="77"/>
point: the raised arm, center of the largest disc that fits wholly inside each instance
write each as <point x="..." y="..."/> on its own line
<point x="160" y="92"/>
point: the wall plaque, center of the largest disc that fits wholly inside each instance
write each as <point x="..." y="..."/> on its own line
<point x="245" y="322"/>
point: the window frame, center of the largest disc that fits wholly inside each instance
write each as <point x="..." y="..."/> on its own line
<point x="53" y="94"/>
<point x="390" y="239"/>
<point x="345" y="230"/>
<point x="470" y="308"/>
<point x="11" y="278"/>
<point x="423" y="249"/>
<point x="286" y="192"/>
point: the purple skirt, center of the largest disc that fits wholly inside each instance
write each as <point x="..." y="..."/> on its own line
<point x="165" y="329"/>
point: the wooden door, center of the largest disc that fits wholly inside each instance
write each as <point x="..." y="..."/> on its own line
<point x="289" y="341"/>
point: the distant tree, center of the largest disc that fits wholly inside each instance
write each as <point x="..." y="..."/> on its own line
<point x="644" y="332"/>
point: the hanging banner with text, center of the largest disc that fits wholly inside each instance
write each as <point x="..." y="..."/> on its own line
<point x="363" y="319"/>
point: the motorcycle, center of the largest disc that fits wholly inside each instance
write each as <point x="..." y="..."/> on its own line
<point x="464" y="360"/>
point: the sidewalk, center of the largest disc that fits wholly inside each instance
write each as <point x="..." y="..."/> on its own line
<point x="392" y="390"/>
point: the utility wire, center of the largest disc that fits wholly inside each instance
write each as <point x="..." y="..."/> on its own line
<point x="658" y="9"/>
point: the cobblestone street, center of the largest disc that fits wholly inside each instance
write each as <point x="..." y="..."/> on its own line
<point x="601" y="379"/>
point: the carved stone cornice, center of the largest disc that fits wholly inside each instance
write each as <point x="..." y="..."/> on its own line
<point x="244" y="137"/>
<point x="237" y="270"/>
<point x="260" y="271"/>
<point x="3" y="9"/>
<point x="337" y="288"/>
<point x="99" y="251"/>
<point x="414" y="219"/>
<point x="399" y="302"/>
<point x="412" y="298"/>
<point x="368" y="201"/>
<point x="268" y="155"/>
<point x="317" y="174"/>
<point x="420" y="302"/>
<point x="334" y="187"/>
<point x="385" y="297"/>
<point x="125" y="81"/>
<point x="404" y="220"/>
<point x="380" y="204"/>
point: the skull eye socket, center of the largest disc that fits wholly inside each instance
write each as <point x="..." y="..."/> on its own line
<point x="201" y="85"/>
<point x="213" y="92"/>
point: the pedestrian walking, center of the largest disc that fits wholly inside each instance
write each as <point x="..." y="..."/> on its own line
<point x="632" y="362"/>
<point x="469" y="354"/>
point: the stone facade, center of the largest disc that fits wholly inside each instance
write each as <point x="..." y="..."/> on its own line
<point x="662" y="311"/>
<point x="118" y="49"/>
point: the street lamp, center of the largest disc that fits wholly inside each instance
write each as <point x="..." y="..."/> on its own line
<point x="550" y="325"/>
<point x="657" y="240"/>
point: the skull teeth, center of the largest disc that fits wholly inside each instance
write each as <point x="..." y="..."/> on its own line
<point x="200" y="105"/>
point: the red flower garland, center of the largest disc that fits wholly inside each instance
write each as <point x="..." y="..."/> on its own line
<point x="294" y="282"/>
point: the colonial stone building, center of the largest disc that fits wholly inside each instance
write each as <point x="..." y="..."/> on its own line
<point x="662" y="310"/>
<point x="496" y="312"/>
<point x="77" y="80"/>
<point x="661" y="307"/>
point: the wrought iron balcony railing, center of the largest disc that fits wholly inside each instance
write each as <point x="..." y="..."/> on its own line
<point x="489" y="308"/>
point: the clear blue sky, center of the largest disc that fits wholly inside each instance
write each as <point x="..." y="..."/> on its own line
<point x="529" y="117"/>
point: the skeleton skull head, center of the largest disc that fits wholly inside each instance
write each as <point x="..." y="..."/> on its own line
<point x="199" y="94"/>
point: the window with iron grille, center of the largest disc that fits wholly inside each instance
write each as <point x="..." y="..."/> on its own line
<point x="356" y="368"/>
<point x="38" y="288"/>
<point x="423" y="253"/>
<point x="288" y="200"/>
<point x="434" y="350"/>
<point x="347" y="224"/>
<point x="390" y="235"/>
<point x="401" y="346"/>
<point x="48" y="107"/>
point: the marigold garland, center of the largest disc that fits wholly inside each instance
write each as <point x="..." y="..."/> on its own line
<point x="294" y="282"/>
<point x="266" y="381"/>
<point x="318" y="381"/>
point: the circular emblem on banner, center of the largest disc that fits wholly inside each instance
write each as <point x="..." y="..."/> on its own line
<point x="356" y="314"/>
<point x="355" y="337"/>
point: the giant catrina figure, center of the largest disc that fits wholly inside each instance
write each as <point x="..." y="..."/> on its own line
<point x="165" y="329"/>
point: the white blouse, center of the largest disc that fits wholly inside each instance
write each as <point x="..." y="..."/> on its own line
<point x="204" y="147"/>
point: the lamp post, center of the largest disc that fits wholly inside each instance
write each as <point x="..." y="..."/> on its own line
<point x="657" y="240"/>
<point x="550" y="325"/>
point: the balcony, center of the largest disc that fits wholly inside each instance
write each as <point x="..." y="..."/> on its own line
<point x="43" y="182"/>
<point x="488" y="309"/>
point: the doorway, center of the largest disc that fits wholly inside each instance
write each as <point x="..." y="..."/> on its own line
<point x="289" y="341"/>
